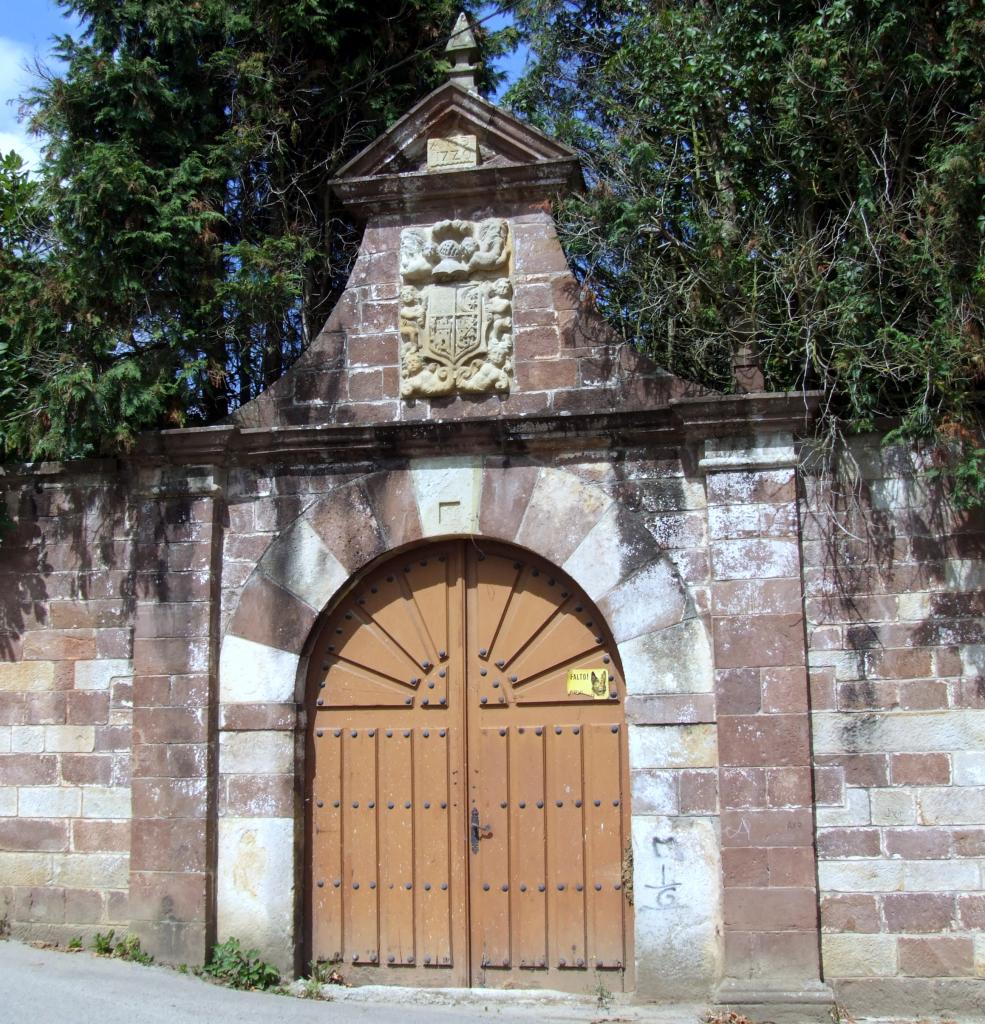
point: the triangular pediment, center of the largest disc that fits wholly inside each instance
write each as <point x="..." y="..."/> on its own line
<point x="450" y="112"/>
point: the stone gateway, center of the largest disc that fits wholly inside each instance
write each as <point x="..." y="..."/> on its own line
<point x="479" y="650"/>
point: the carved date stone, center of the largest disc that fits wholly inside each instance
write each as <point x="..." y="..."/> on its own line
<point x="456" y="309"/>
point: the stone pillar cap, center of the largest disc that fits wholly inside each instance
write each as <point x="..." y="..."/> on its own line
<point x="463" y="50"/>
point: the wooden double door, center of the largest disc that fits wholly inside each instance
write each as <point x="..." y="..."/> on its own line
<point x="467" y="806"/>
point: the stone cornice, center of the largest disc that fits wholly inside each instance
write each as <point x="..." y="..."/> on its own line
<point x="680" y="421"/>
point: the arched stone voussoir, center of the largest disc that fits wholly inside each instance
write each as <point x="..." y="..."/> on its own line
<point x="347" y="523"/>
<point x="674" y="659"/>
<point x="650" y="599"/>
<point x="269" y="614"/>
<point x="255" y="673"/>
<point x="613" y="549"/>
<point x="562" y="509"/>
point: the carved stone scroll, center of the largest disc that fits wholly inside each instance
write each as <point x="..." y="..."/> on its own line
<point x="456" y="309"/>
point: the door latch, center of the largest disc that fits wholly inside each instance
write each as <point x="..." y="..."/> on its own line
<point x="477" y="831"/>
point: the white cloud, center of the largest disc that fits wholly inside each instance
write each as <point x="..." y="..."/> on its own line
<point x="15" y="80"/>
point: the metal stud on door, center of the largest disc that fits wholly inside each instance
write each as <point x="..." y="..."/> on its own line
<point x="491" y="818"/>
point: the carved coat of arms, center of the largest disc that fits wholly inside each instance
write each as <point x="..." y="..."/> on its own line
<point x="456" y="306"/>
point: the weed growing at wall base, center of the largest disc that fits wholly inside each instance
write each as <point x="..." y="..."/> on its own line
<point x="231" y="965"/>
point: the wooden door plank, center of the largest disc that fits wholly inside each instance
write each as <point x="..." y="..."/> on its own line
<point x="397" y="847"/>
<point x="361" y="865"/>
<point x="432" y="875"/>
<point x="566" y="835"/>
<point x="326" y="869"/>
<point x="528" y="847"/>
<point x="492" y="862"/>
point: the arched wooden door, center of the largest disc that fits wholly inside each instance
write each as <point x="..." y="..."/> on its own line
<point x="467" y="803"/>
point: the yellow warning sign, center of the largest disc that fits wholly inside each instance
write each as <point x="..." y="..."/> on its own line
<point x="589" y="682"/>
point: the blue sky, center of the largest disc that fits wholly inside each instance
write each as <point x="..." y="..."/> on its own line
<point x="26" y="31"/>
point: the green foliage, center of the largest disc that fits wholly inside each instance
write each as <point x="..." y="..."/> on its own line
<point x="238" y="968"/>
<point x="103" y="943"/>
<point x="808" y="179"/>
<point x="75" y="942"/>
<point x="128" y="948"/>
<point x="182" y="245"/>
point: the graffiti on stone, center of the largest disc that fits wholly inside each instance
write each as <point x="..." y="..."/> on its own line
<point x="456" y="309"/>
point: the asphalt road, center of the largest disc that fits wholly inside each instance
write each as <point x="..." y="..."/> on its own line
<point x="43" y="986"/>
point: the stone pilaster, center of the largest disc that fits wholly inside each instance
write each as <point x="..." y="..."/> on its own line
<point x="172" y="856"/>
<point x="771" y="922"/>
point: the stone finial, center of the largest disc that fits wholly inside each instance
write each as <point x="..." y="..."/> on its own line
<point x="463" y="51"/>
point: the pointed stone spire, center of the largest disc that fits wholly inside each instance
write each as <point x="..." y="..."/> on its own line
<point x="463" y="51"/>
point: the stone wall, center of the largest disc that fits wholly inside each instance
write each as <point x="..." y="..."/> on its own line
<point x="894" y="598"/>
<point x="67" y="590"/>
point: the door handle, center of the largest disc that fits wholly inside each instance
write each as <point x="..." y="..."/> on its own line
<point x="477" y="831"/>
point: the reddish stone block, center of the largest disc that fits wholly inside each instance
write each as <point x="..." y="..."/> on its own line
<point x="780" y="827"/>
<point x="792" y="909"/>
<point x="742" y="787"/>
<point x="698" y="792"/>
<point x="168" y="844"/>
<point x="372" y="349"/>
<point x="89" y="614"/>
<point x="850" y="912"/>
<point x="768" y="740"/>
<point x="169" y="798"/>
<point x="191" y="691"/>
<point x="738" y="691"/>
<point x="864" y="695"/>
<point x="866" y="770"/>
<point x="60" y="645"/>
<point x="113" y="738"/>
<point x="752" y="486"/>
<point x="100" y="836"/>
<point x="168" y="896"/>
<point x="792" y="867"/>
<point x="84" y="906"/>
<point x="170" y="760"/>
<point x="937" y="957"/>
<point x="784" y="690"/>
<point x="394" y="506"/>
<point x="536" y="342"/>
<point x="971" y="910"/>
<point x="87" y="707"/>
<point x="547" y="374"/>
<point x="87" y="769"/>
<point x="151" y="691"/>
<point x="169" y="725"/>
<point x="920" y="769"/>
<point x="833" y="843"/>
<point x="829" y="786"/>
<point x="34" y="834"/>
<point x="345" y="521"/>
<point x="169" y="656"/>
<point x="745" y="868"/>
<point x="29" y="769"/>
<point x="39" y="906"/>
<point x="758" y="640"/>
<point x="13" y="709"/>
<point x="923" y="695"/>
<point x="969" y="842"/>
<point x="918" y="911"/>
<point x="789" y="787"/>
<point x="771" y="956"/>
<point x="898" y="664"/>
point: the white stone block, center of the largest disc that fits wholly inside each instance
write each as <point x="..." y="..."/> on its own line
<point x="964" y="574"/>
<point x="898" y="731"/>
<point x="4" y="739"/>
<point x="973" y="660"/>
<point x="106" y="802"/>
<point x="914" y="607"/>
<point x="49" y="801"/>
<point x="650" y="599"/>
<point x="27" y="675"/>
<point x="893" y="807"/>
<point x="979" y="955"/>
<point x="97" y="675"/>
<point x="654" y="791"/>
<point x="968" y="767"/>
<point x="602" y="558"/>
<point x="255" y="880"/>
<point x="858" y="956"/>
<point x="676" y="904"/>
<point x="727" y="522"/>
<point x="8" y="801"/>
<point x="951" y="805"/>
<point x="673" y="746"/>
<point x="25" y="868"/>
<point x="676" y="659"/>
<point x="301" y="563"/>
<point x="91" y="870"/>
<point x="941" y="875"/>
<point x="755" y="559"/>
<point x="855" y="810"/>
<point x="256" y="753"/>
<point x="253" y="673"/>
<point x="69" y="739"/>
<point x="860" y="875"/>
<point x="448" y="492"/>
<point x="27" y="739"/>
<point x="756" y="451"/>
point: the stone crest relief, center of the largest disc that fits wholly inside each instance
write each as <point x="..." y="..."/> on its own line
<point x="456" y="308"/>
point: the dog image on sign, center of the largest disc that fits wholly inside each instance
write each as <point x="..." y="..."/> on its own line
<point x="589" y="682"/>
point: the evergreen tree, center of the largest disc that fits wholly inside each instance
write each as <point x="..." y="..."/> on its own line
<point x="807" y="178"/>
<point x="184" y="244"/>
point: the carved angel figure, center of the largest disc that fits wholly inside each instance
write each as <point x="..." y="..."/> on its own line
<point x="418" y="254"/>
